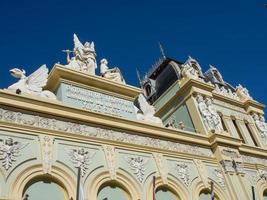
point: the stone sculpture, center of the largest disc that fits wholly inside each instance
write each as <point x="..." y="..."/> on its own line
<point x="243" y="93"/>
<point x="137" y="165"/>
<point x="84" y="57"/>
<point x="209" y="114"/>
<point x="146" y="112"/>
<point x="261" y="125"/>
<point x="9" y="151"/>
<point x="188" y="71"/>
<point x="33" y="84"/>
<point x="81" y="158"/>
<point x="113" y="74"/>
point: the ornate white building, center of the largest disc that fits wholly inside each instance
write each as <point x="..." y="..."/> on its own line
<point x="182" y="131"/>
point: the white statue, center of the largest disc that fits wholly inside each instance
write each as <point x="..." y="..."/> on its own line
<point x="261" y="125"/>
<point x="216" y="120"/>
<point x="190" y="72"/>
<point x="113" y="74"/>
<point x="242" y="92"/>
<point x="84" y="59"/>
<point x="146" y="111"/>
<point x="33" y="84"/>
<point x="209" y="114"/>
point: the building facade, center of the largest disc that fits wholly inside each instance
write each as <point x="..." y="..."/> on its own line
<point x="181" y="132"/>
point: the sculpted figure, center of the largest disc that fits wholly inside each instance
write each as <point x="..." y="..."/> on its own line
<point x="113" y="74"/>
<point x="242" y="92"/>
<point x="190" y="72"/>
<point x="209" y="114"/>
<point x="33" y="84"/>
<point x="146" y="112"/>
<point x="84" y="57"/>
<point x="216" y="120"/>
<point x="261" y="125"/>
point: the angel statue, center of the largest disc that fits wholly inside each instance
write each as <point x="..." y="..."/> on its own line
<point x="32" y="84"/>
<point x="113" y="74"/>
<point x="9" y="151"/>
<point x="84" y="57"/>
<point x="145" y="111"/>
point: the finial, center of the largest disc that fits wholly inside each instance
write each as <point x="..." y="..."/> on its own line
<point x="162" y="51"/>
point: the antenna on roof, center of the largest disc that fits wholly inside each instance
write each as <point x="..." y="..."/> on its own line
<point x="139" y="78"/>
<point x="162" y="51"/>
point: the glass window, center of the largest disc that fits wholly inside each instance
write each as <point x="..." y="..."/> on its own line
<point x="43" y="189"/>
<point x="111" y="192"/>
<point x="206" y="195"/>
<point x="165" y="194"/>
<point x="265" y="195"/>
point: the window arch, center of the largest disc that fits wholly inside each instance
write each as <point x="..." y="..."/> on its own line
<point x="163" y="193"/>
<point x="112" y="191"/>
<point x="43" y="188"/>
<point x="206" y="195"/>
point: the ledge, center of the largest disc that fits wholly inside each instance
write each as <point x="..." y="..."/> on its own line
<point x="57" y="109"/>
<point x="59" y="73"/>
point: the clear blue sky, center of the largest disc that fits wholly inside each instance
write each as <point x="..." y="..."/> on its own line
<point x="230" y="34"/>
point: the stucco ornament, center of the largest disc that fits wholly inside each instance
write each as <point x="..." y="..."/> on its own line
<point x="81" y="158"/>
<point x="263" y="174"/>
<point x="202" y="171"/>
<point x="32" y="84"/>
<point x="226" y="92"/>
<point x="47" y="152"/>
<point x="219" y="177"/>
<point x="84" y="57"/>
<point x="188" y="71"/>
<point x="113" y="74"/>
<point x="182" y="172"/>
<point x="138" y="166"/>
<point x="111" y="159"/>
<point x="146" y="112"/>
<point x="209" y="114"/>
<point x="9" y="151"/>
<point x="261" y="125"/>
<point x="243" y="93"/>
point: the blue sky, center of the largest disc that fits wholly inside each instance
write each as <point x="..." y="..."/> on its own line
<point x="231" y="35"/>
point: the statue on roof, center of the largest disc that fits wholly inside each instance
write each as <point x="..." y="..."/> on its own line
<point x="191" y="69"/>
<point x="84" y="57"/>
<point x="113" y="74"/>
<point x="145" y="111"/>
<point x="242" y="93"/>
<point x="32" y="84"/>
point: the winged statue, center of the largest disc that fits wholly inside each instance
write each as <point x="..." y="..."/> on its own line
<point x="84" y="56"/>
<point x="9" y="151"/>
<point x="145" y="111"/>
<point x="32" y="84"/>
<point x="81" y="158"/>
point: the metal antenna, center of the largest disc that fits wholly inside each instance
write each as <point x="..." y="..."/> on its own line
<point x="138" y="76"/>
<point x="162" y="51"/>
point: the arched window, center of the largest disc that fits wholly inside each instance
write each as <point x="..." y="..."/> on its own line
<point x="265" y="195"/>
<point x="43" y="188"/>
<point x="163" y="193"/>
<point x="112" y="191"/>
<point x="206" y="195"/>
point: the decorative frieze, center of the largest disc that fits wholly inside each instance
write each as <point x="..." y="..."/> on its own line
<point x="254" y="160"/>
<point x="83" y="129"/>
<point x="81" y="158"/>
<point x="182" y="173"/>
<point x="138" y="166"/>
<point x="110" y="155"/>
<point x="9" y="151"/>
<point x="226" y="92"/>
<point x="47" y="152"/>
